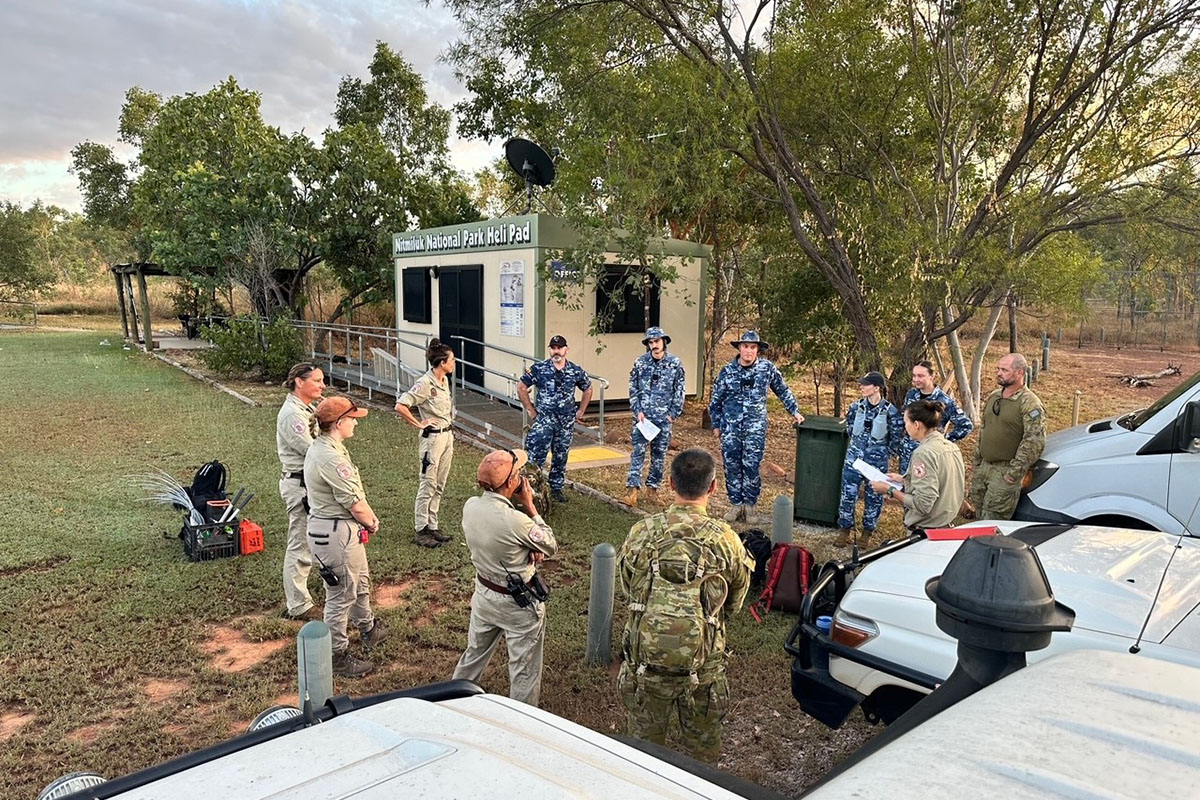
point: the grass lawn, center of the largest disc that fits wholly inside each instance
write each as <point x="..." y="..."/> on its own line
<point x="119" y="653"/>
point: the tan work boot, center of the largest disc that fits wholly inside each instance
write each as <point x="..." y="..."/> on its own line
<point x="864" y="541"/>
<point x="631" y="498"/>
<point x="652" y="495"/>
<point x="733" y="514"/>
<point x="373" y="635"/>
<point x="843" y="537"/>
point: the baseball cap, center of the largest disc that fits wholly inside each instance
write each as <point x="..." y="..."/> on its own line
<point x="332" y="409"/>
<point x="498" y="465"/>
<point x="558" y="341"/>
<point x="873" y="378"/>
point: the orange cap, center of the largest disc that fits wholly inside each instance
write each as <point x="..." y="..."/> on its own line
<point x="332" y="409"/>
<point x="497" y="465"/>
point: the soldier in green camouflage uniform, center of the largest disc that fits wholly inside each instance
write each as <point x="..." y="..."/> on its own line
<point x="1011" y="438"/>
<point x="661" y="631"/>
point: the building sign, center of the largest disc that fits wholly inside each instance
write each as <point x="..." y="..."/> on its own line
<point x="474" y="236"/>
<point x="512" y="298"/>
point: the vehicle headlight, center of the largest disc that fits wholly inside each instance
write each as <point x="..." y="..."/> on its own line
<point x="851" y="631"/>
<point x="69" y="784"/>
<point x="1038" y="474"/>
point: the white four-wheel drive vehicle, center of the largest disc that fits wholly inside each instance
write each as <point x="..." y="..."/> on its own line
<point x="1129" y="589"/>
<point x="1137" y="470"/>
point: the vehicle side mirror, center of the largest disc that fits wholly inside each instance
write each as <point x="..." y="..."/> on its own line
<point x="1187" y="429"/>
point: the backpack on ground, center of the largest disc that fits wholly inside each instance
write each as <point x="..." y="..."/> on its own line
<point x="758" y="545"/>
<point x="789" y="573"/>
<point x="675" y="608"/>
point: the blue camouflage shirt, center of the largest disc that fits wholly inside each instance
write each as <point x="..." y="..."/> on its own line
<point x="874" y="429"/>
<point x="556" y="387"/>
<point x="656" y="387"/>
<point x="741" y="392"/>
<point x="952" y="415"/>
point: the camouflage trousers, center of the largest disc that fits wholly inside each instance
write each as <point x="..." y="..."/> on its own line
<point x="742" y="455"/>
<point x="652" y="700"/>
<point x="991" y="495"/>
<point x="551" y="432"/>
<point x="852" y="481"/>
<point x="658" y="457"/>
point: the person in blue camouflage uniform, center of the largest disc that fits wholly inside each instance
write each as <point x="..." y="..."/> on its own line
<point x="739" y="418"/>
<point x="553" y="418"/>
<point x="656" y="385"/>
<point x="876" y="431"/>
<point x="924" y="388"/>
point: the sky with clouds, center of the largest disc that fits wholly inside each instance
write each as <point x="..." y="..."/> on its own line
<point x="68" y="63"/>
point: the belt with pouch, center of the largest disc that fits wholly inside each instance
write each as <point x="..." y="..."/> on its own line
<point x="427" y="432"/>
<point x="495" y="587"/>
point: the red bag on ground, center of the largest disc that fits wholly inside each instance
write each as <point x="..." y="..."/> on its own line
<point x="788" y="575"/>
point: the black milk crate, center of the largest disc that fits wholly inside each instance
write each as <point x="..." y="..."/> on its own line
<point x="210" y="541"/>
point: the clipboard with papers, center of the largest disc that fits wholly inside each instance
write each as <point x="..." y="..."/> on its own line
<point x="874" y="474"/>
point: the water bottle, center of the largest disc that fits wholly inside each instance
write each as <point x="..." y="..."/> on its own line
<point x="818" y="654"/>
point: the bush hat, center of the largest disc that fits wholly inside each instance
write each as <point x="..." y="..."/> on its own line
<point x="751" y="337"/>
<point x="655" y="333"/>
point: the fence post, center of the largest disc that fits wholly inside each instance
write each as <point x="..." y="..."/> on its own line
<point x="781" y="520"/>
<point x="1046" y="355"/>
<point x="314" y="661"/>
<point x="1033" y="372"/>
<point x="1101" y="334"/>
<point x="1075" y="408"/>
<point x="600" y="604"/>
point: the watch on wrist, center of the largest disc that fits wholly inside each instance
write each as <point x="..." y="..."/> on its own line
<point x="891" y="491"/>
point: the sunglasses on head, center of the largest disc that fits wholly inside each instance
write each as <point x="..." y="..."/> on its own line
<point x="511" y="471"/>
<point x="352" y="408"/>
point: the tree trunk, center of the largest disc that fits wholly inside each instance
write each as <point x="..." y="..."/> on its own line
<point x="966" y="396"/>
<point x="1013" y="344"/>
<point x="985" y="338"/>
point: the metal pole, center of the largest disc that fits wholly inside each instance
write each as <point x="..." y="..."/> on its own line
<point x="1075" y="408"/>
<point x="601" y="412"/>
<point x="314" y="662"/>
<point x="781" y="520"/>
<point x="600" y="604"/>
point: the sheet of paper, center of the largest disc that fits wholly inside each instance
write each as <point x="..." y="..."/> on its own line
<point x="648" y="429"/>
<point x="873" y="474"/>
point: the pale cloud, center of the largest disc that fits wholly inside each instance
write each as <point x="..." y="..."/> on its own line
<point x="68" y="64"/>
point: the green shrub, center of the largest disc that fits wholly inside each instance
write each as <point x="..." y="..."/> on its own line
<point x="245" y="347"/>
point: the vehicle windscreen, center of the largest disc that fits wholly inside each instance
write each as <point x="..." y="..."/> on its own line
<point x="1136" y="419"/>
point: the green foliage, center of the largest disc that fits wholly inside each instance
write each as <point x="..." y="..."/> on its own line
<point x="22" y="272"/>
<point x="245" y="346"/>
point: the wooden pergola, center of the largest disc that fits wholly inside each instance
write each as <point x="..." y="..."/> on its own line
<point x="134" y="312"/>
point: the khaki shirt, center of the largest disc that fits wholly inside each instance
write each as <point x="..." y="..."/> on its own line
<point x="934" y="483"/>
<point x="331" y="479"/>
<point x="1017" y="434"/>
<point x="294" y="432"/>
<point x="501" y="538"/>
<point x="432" y="400"/>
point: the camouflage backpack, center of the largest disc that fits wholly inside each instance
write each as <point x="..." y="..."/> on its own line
<point x="674" y="609"/>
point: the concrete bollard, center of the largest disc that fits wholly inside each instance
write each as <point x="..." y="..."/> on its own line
<point x="1102" y="336"/>
<point x="1033" y="372"/>
<point x="600" y="604"/>
<point x="781" y="520"/>
<point x="1046" y="356"/>
<point x="314" y="661"/>
<point x="1075" y="408"/>
<point x="1058" y="335"/>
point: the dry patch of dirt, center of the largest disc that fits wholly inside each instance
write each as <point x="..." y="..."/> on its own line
<point x="90" y="733"/>
<point x="42" y="565"/>
<point x="12" y="721"/>
<point x="231" y="651"/>
<point x="392" y="595"/>
<point x="157" y="691"/>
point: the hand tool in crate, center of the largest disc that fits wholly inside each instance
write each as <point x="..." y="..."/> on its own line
<point x="221" y="537"/>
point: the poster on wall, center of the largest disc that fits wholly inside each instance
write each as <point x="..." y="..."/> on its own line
<point x="512" y="298"/>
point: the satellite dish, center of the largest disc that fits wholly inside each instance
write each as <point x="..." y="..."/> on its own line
<point x="530" y="162"/>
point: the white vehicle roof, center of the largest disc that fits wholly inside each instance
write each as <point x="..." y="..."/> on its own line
<point x="480" y="746"/>
<point x="1109" y="576"/>
<point x="1081" y="724"/>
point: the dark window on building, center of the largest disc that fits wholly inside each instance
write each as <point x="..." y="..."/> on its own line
<point x="416" y="288"/>
<point x="615" y="288"/>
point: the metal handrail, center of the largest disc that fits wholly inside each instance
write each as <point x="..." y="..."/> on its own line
<point x="604" y="382"/>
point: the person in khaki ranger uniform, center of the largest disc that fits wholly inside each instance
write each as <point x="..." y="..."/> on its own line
<point x="505" y="541"/>
<point x="340" y="521"/>
<point x="935" y="479"/>
<point x="294" y="431"/>
<point x="1012" y="437"/>
<point x="698" y="695"/>
<point x="431" y="395"/>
